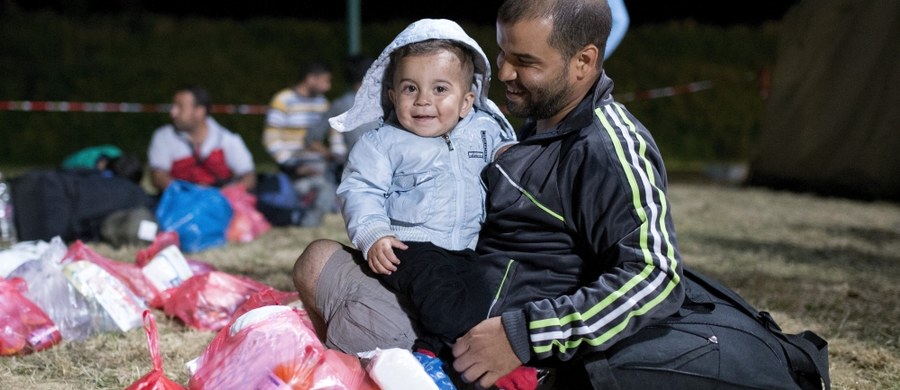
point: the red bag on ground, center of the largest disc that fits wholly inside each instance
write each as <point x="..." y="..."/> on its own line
<point x="155" y="379"/>
<point x="162" y="241"/>
<point x="268" y="297"/>
<point x="24" y="327"/>
<point x="209" y="301"/>
<point x="129" y="274"/>
<point x="266" y="348"/>
<point x="247" y="223"/>
<point x="340" y="371"/>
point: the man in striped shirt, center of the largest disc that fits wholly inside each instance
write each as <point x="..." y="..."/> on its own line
<point x="294" y="137"/>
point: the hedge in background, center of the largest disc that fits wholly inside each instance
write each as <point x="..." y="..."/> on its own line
<point x="142" y="59"/>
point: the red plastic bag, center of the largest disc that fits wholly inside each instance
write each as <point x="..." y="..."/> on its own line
<point x="24" y="327"/>
<point x="247" y="223"/>
<point x="129" y="274"/>
<point x="268" y="347"/>
<point x="267" y="297"/>
<point x="209" y="301"/>
<point x="162" y="241"/>
<point x="340" y="371"/>
<point x="155" y="379"/>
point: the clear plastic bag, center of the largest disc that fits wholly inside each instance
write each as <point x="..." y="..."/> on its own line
<point x="127" y="273"/>
<point x="76" y="317"/>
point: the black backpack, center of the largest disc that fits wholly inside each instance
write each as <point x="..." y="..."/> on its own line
<point x="716" y="340"/>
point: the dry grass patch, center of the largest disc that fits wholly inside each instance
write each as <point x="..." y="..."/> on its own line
<point x="828" y="265"/>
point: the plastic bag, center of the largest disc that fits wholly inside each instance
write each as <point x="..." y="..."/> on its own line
<point x="19" y="254"/>
<point x="340" y="371"/>
<point x="199" y="214"/>
<point x="209" y="301"/>
<point x="76" y="317"/>
<point x="166" y="271"/>
<point x="397" y="369"/>
<point x="129" y="274"/>
<point x="24" y="327"/>
<point x="266" y="348"/>
<point x="164" y="240"/>
<point x="156" y="379"/>
<point x="247" y="223"/>
<point x="95" y="284"/>
<point x="270" y="297"/>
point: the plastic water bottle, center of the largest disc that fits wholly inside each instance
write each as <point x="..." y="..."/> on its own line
<point x="7" y="223"/>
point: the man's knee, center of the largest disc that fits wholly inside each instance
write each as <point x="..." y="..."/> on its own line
<point x="308" y="267"/>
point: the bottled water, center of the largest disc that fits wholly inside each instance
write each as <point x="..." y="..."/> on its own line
<point x="7" y="223"/>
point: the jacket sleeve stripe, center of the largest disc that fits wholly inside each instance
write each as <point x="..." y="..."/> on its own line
<point x="657" y="279"/>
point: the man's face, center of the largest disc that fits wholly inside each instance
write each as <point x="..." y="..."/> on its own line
<point x="318" y="83"/>
<point x="186" y="114"/>
<point x="535" y="74"/>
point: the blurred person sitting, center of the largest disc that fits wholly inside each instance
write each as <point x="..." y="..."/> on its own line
<point x="295" y="138"/>
<point x="197" y="149"/>
<point x="340" y="143"/>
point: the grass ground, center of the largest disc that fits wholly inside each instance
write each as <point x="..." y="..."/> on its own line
<point x="828" y="265"/>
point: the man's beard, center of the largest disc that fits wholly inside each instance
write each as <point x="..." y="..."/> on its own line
<point x="542" y="101"/>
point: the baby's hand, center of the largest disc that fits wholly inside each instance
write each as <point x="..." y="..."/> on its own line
<point x="382" y="259"/>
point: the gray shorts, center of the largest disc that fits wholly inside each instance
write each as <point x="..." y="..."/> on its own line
<point x="359" y="312"/>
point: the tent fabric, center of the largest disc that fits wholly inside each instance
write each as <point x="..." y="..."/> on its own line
<point x="832" y="122"/>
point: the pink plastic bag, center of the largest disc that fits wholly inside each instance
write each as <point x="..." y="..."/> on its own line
<point x="209" y="301"/>
<point x="129" y="274"/>
<point x="247" y="223"/>
<point x="155" y="379"/>
<point x="266" y="348"/>
<point x="268" y="297"/>
<point x="24" y="327"/>
<point x="340" y="371"/>
<point x="162" y="241"/>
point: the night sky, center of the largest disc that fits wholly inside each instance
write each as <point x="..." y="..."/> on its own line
<point x="717" y="12"/>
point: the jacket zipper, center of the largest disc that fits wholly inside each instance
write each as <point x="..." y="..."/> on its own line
<point x="447" y="140"/>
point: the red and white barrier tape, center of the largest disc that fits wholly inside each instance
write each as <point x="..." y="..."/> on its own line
<point x="46" y="106"/>
<point x="256" y="109"/>
<point x="665" y="91"/>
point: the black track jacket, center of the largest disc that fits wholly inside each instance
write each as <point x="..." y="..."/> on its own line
<point x="580" y="232"/>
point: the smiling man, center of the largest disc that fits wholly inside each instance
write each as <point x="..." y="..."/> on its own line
<point x="578" y="241"/>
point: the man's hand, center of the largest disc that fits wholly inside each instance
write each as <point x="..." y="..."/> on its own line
<point x="382" y="259"/>
<point x="484" y="353"/>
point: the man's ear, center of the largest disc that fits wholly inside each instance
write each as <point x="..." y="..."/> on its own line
<point x="585" y="60"/>
<point x="468" y="101"/>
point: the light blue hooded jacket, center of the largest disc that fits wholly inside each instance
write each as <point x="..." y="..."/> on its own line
<point x="417" y="188"/>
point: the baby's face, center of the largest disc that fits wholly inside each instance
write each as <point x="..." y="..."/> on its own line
<point x="430" y="93"/>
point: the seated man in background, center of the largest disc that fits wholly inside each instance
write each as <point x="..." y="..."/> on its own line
<point x="196" y="148"/>
<point x="295" y="139"/>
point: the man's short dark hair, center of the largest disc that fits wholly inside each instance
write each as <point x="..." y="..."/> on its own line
<point x="201" y="96"/>
<point x="576" y="23"/>
<point x="314" y="67"/>
<point x="127" y="166"/>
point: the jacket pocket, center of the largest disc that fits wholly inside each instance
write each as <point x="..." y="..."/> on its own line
<point x="501" y="283"/>
<point x="410" y="199"/>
